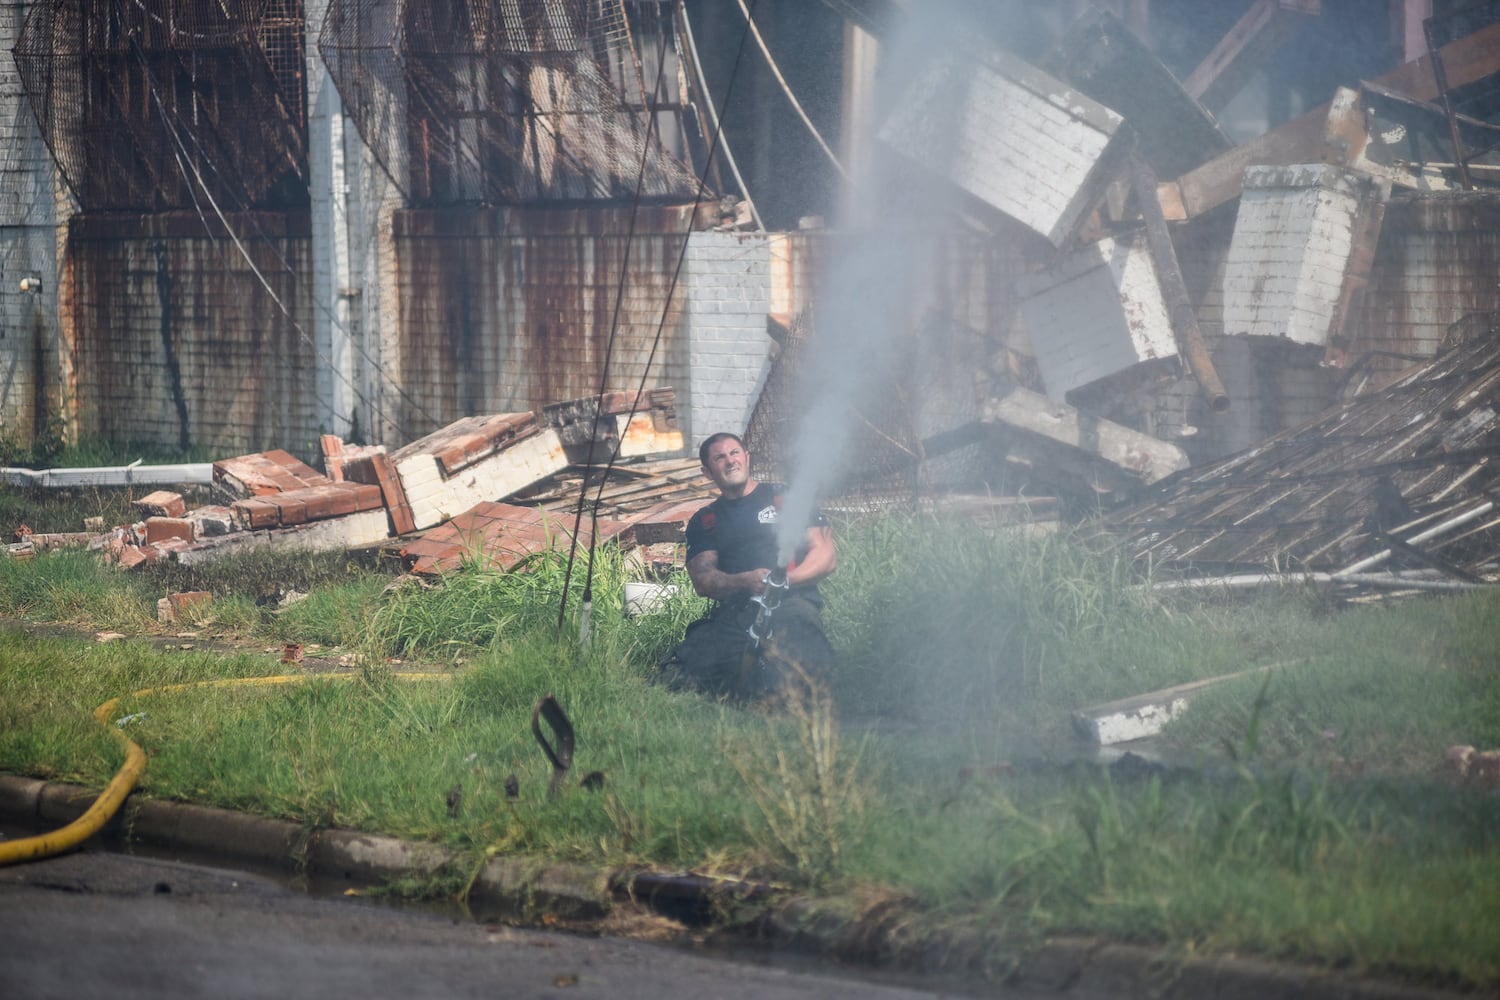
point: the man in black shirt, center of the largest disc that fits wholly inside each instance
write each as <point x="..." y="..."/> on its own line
<point x="733" y="552"/>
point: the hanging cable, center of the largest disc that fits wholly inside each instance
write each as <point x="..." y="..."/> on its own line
<point x="609" y="346"/>
<point x="660" y="328"/>
<point x="713" y="115"/>
<point x="786" y="89"/>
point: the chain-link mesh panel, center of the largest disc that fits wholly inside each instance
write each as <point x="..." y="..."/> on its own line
<point x="151" y="105"/>
<point x="498" y="101"/>
<point x="881" y="441"/>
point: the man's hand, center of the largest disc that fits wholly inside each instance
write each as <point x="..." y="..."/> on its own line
<point x="709" y="581"/>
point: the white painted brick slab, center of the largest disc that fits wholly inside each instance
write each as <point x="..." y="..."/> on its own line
<point x="1097" y="312"/>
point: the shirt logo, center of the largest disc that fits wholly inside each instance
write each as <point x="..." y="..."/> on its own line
<point x="767" y="515"/>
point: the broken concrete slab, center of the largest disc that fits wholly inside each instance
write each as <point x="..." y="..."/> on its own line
<point x="1130" y="454"/>
<point x="352" y="531"/>
<point x="474" y="460"/>
<point x="1107" y="61"/>
<point x="1017" y="140"/>
<point x="1144" y="715"/>
<point x="1096" y="312"/>
<point x="637" y="424"/>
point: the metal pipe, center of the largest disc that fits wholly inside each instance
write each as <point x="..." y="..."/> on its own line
<point x="1417" y="539"/>
<point x="110" y="475"/>
<point x="1247" y="581"/>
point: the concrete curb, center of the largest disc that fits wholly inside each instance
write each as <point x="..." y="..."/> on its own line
<point x="871" y="932"/>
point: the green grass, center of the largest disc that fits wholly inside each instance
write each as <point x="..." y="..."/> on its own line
<point x="1316" y="829"/>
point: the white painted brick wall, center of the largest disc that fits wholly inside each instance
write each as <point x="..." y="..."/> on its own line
<point x="1007" y="134"/>
<point x="1097" y="312"/>
<point x="727" y="277"/>
<point x="1291" y="245"/>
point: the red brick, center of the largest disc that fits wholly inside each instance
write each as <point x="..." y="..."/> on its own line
<point x="161" y="528"/>
<point x="319" y="504"/>
<point x="162" y="503"/>
<point x="256" y="513"/>
<point x="333" y="456"/>
<point x="367" y="496"/>
<point x="340" y="501"/>
<point x="292" y="508"/>
<point x="189" y="599"/>
<point x="402" y="521"/>
<point x="131" y="557"/>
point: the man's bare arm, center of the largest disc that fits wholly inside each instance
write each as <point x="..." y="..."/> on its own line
<point x="712" y="582"/>
<point x="821" y="559"/>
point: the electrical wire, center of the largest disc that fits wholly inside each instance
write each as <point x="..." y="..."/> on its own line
<point x="609" y="346"/>
<point x="646" y="371"/>
<point x="188" y="164"/>
<point x="713" y="116"/>
<point x="786" y="89"/>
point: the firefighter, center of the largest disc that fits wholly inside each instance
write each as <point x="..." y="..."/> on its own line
<point x="765" y="629"/>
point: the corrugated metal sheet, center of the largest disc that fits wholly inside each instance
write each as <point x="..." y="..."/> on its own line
<point x="178" y="343"/>
<point x="508" y="310"/>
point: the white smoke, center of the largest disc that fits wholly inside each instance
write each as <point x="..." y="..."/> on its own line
<point x="878" y="264"/>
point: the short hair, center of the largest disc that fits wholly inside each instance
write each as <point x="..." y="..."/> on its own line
<point x="714" y="439"/>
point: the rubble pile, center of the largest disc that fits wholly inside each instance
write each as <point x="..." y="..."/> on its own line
<point x="1403" y="480"/>
<point x="454" y="482"/>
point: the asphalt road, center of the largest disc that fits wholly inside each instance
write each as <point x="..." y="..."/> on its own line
<point x="95" y="924"/>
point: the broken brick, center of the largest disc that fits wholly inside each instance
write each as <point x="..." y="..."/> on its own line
<point x="162" y="503"/>
<point x="189" y="599"/>
<point x="161" y="528"/>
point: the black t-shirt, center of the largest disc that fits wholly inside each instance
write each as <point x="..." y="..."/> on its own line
<point x="743" y="531"/>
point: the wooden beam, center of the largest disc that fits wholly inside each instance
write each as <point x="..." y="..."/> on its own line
<point x="1224" y="72"/>
<point x="1302" y="140"/>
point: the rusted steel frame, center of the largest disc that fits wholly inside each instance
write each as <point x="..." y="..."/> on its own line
<point x="1440" y="78"/>
<point x="1174" y="290"/>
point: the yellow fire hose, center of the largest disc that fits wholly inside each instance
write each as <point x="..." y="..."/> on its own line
<point x="109" y="801"/>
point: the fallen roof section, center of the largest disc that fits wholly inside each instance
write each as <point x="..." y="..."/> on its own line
<point x="1403" y="479"/>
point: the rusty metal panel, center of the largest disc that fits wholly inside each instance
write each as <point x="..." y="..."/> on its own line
<point x="164" y="104"/>
<point x="499" y="101"/>
<point x="177" y="341"/>
<point x="508" y="310"/>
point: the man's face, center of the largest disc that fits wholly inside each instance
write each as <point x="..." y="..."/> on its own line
<point x="728" y="466"/>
